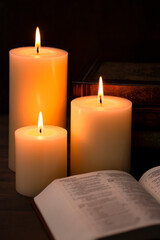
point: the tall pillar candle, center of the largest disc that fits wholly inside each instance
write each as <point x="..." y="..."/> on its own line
<point x="100" y="134"/>
<point x="38" y="81"/>
<point x="41" y="157"/>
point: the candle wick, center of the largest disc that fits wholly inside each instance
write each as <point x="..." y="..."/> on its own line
<point x="100" y="99"/>
<point x="40" y="130"/>
<point x="37" y="49"/>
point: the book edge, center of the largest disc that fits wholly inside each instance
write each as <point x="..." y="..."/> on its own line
<point x="42" y="220"/>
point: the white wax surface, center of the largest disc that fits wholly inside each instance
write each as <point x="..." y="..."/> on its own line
<point x="40" y="158"/>
<point x="38" y="82"/>
<point x="100" y="134"/>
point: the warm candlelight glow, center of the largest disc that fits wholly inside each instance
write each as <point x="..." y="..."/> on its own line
<point x="40" y="122"/>
<point x="37" y="40"/>
<point x="100" y="90"/>
<point x="39" y="75"/>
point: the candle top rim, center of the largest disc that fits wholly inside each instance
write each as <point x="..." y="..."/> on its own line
<point x="110" y="103"/>
<point x="45" y="52"/>
<point x="32" y="132"/>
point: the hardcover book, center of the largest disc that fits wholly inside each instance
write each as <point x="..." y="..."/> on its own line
<point x="140" y="83"/>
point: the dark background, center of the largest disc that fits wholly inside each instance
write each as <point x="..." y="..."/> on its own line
<point x="113" y="30"/>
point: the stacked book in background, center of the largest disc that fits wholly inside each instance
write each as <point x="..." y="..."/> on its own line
<point x="140" y="83"/>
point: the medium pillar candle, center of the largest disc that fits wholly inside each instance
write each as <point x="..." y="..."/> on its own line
<point x="100" y="134"/>
<point x="38" y="81"/>
<point x="41" y="157"/>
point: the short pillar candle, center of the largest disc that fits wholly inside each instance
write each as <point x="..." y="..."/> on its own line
<point x="41" y="157"/>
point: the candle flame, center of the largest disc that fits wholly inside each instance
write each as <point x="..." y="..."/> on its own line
<point x="37" y="40"/>
<point x="100" y="90"/>
<point x="40" y="122"/>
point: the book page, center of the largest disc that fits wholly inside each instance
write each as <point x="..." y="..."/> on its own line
<point x="98" y="204"/>
<point x="60" y="216"/>
<point x="150" y="180"/>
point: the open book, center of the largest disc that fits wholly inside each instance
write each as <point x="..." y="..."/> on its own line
<point x="107" y="204"/>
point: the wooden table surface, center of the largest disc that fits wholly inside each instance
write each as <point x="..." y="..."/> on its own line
<point x="18" y="220"/>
